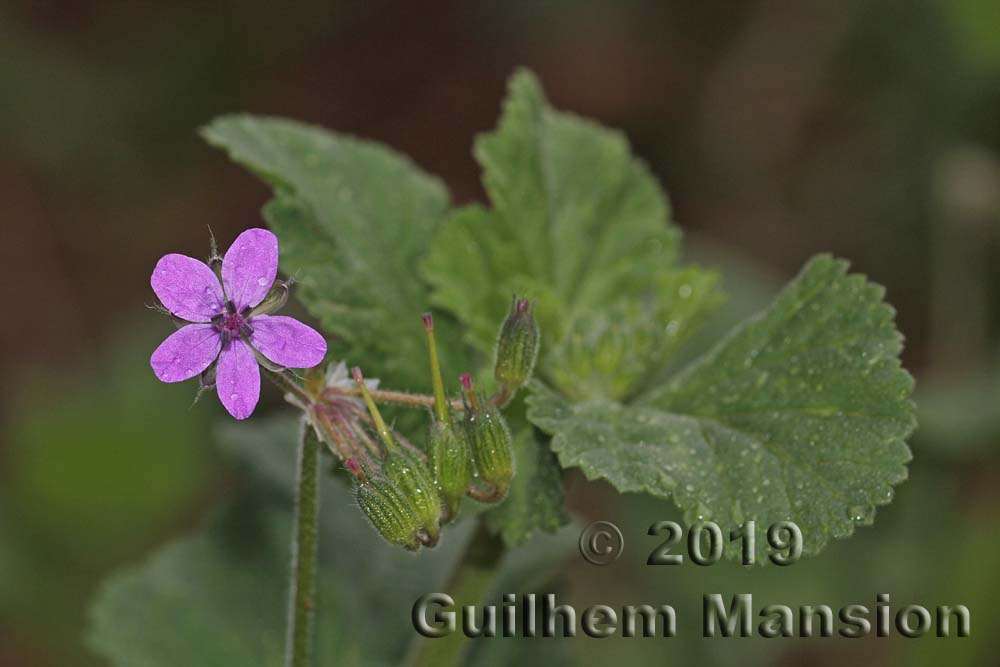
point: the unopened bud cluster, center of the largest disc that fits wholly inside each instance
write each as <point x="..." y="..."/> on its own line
<point x="408" y="493"/>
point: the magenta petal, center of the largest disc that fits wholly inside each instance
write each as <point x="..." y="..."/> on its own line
<point x="250" y="267"/>
<point x="237" y="379"/>
<point x="187" y="288"/>
<point x="186" y="352"/>
<point x="286" y="341"/>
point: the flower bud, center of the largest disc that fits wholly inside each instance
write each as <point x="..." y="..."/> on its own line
<point x="450" y="458"/>
<point x="413" y="480"/>
<point x="517" y="347"/>
<point x="489" y="440"/>
<point x="214" y="259"/>
<point x="389" y="511"/>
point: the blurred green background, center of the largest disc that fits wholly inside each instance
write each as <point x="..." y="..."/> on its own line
<point x="868" y="129"/>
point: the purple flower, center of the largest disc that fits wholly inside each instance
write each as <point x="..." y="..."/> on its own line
<point x="224" y="324"/>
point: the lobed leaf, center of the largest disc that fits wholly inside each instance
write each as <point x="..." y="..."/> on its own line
<point x="577" y="224"/>
<point x="801" y="413"/>
<point x="614" y="352"/>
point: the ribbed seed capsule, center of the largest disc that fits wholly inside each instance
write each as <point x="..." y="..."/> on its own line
<point x="490" y="443"/>
<point x="389" y="512"/>
<point x="414" y="482"/>
<point x="517" y="346"/>
<point x="450" y="458"/>
<point x="406" y="473"/>
<point x="489" y="440"/>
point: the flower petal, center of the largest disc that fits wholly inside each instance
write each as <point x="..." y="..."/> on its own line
<point x="186" y="352"/>
<point x="286" y="341"/>
<point x="237" y="379"/>
<point x="187" y="287"/>
<point x="250" y="267"/>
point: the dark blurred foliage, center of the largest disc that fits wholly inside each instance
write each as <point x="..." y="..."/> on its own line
<point x="779" y="129"/>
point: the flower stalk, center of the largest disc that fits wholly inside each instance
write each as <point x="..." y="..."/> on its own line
<point x="396" y="397"/>
<point x="305" y="543"/>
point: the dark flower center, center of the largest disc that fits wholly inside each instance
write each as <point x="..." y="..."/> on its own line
<point x="232" y="324"/>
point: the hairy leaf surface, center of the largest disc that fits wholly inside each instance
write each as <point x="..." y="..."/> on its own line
<point x="801" y="413"/>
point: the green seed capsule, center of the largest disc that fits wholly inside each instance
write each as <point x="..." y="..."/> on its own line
<point x="517" y="346"/>
<point x="392" y="515"/>
<point x="489" y="441"/>
<point x="406" y="474"/>
<point x="450" y="458"/>
<point x="411" y="476"/>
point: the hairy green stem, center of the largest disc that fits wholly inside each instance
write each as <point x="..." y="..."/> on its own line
<point x="397" y="397"/>
<point x="305" y="542"/>
<point x="469" y="584"/>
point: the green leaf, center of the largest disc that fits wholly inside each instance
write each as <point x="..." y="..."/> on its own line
<point x="353" y="219"/>
<point x="613" y="352"/>
<point x="800" y="413"/>
<point x="577" y="223"/>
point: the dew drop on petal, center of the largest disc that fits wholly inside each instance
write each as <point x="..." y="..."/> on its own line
<point x="262" y="281"/>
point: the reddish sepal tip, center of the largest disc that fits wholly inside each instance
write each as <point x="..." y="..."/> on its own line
<point x="356" y="374"/>
<point x="428" y="321"/>
<point x="466" y="381"/>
